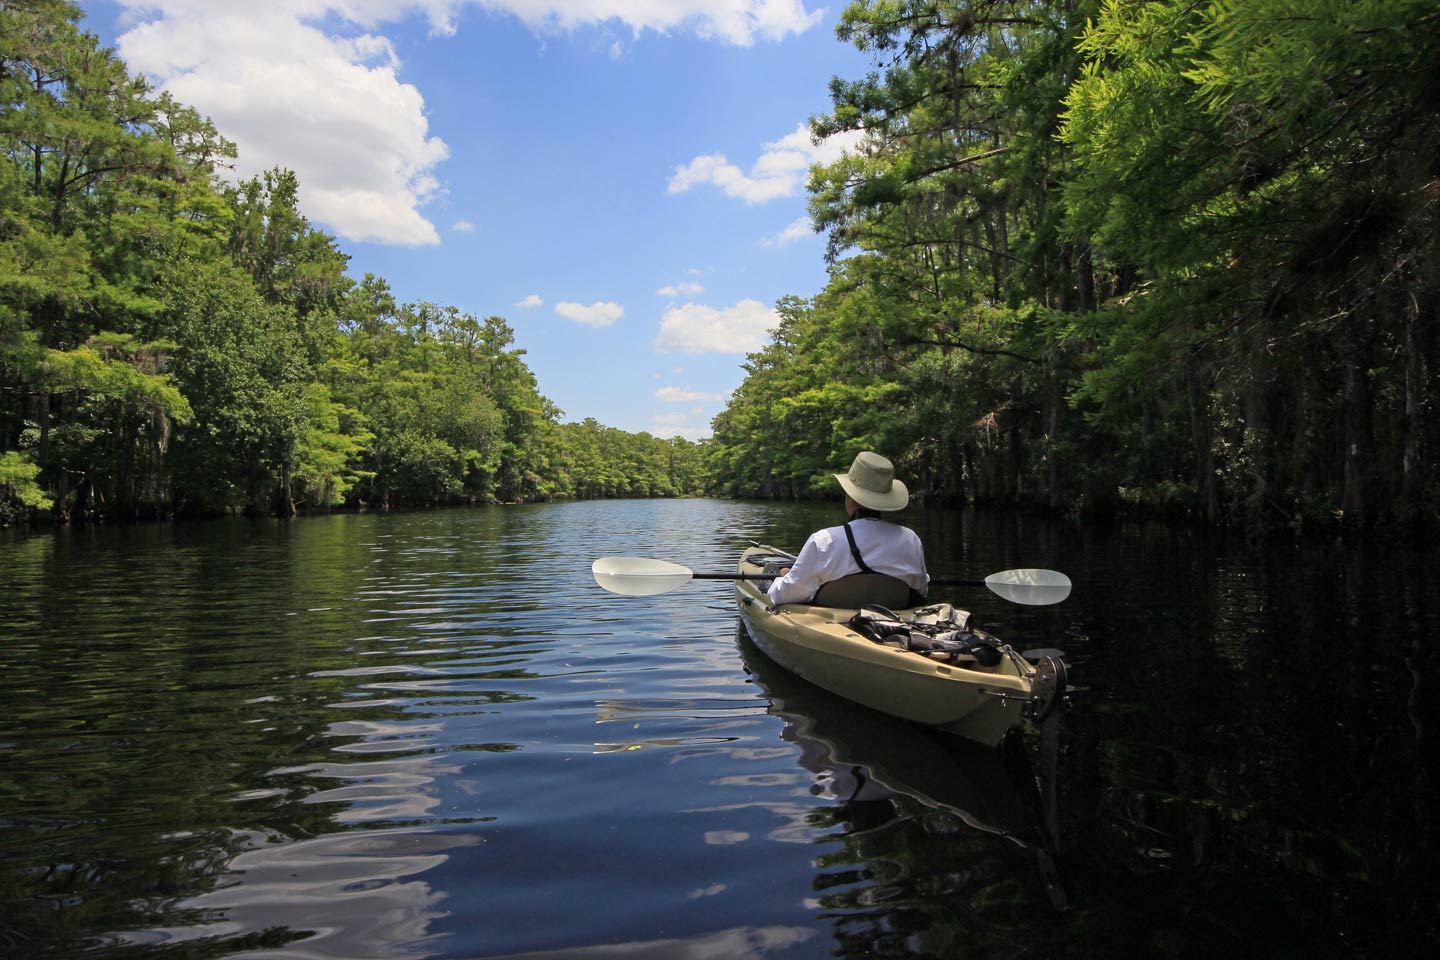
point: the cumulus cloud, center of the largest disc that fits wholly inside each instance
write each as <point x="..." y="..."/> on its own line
<point x="684" y="395"/>
<point x="327" y="104"/>
<point x="462" y="226"/>
<point x="797" y="230"/>
<point x="314" y="85"/>
<point x="780" y="171"/>
<point x="598" y="314"/>
<point x="687" y="289"/>
<point x="694" y="328"/>
<point x="530" y="302"/>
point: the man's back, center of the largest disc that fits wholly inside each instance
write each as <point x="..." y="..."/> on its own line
<point x="884" y="547"/>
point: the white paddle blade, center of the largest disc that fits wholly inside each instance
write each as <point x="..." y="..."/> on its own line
<point x="639" y="576"/>
<point x="1034" y="587"/>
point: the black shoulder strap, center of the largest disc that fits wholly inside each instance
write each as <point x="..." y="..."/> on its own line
<point x="855" y="551"/>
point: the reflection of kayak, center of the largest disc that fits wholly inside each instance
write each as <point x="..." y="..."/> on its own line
<point x="962" y="696"/>
<point x="853" y="751"/>
<point x="857" y="754"/>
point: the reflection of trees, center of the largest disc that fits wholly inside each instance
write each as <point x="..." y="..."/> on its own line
<point x="176" y="725"/>
<point x="1247" y="776"/>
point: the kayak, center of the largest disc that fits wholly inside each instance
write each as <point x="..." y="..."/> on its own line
<point x="957" y="693"/>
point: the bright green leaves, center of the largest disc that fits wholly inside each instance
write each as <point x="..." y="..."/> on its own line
<point x="19" y="491"/>
<point x="113" y="367"/>
<point x="329" y="448"/>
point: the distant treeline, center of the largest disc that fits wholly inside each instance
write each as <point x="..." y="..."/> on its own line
<point x="173" y="345"/>
<point x="1109" y="254"/>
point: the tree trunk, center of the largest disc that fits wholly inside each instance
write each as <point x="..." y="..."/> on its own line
<point x="1067" y="278"/>
<point x="287" y="493"/>
<point x="1259" y="430"/>
<point x="1410" y="420"/>
<point x="42" y="398"/>
<point x="1014" y="464"/>
<point x="1359" y="455"/>
<point x="1207" y="497"/>
<point x="1085" y="270"/>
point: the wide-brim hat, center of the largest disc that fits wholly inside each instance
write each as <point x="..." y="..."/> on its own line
<point x="871" y="483"/>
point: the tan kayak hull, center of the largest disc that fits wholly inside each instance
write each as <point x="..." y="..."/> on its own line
<point x="817" y="644"/>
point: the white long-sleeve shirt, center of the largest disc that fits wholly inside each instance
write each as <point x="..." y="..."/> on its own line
<point x="886" y="548"/>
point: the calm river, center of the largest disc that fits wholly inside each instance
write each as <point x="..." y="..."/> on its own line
<point x="432" y="735"/>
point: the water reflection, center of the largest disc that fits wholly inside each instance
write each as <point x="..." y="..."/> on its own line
<point x="875" y="769"/>
<point x="431" y="735"/>
<point x="347" y="895"/>
<point x="740" y="943"/>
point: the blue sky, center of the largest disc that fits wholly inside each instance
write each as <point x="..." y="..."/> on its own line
<point x="622" y="180"/>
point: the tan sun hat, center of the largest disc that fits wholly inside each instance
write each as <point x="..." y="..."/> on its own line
<point x="871" y="483"/>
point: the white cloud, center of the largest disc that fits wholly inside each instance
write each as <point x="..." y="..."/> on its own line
<point x="683" y="395"/>
<point x="797" y="230"/>
<point x="693" y="328"/>
<point x="313" y="85"/>
<point x="687" y="289"/>
<point x="780" y="170"/>
<point x="328" y="105"/>
<point x="668" y="425"/>
<point x="462" y="226"/>
<point x="598" y="314"/>
<point x="530" y="302"/>
<point x="738" y="22"/>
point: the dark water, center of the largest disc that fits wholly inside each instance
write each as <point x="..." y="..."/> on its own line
<point x="431" y="735"/>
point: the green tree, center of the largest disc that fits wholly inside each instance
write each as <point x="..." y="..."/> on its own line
<point x="243" y="366"/>
<point x="19" y="492"/>
<point x="291" y="262"/>
<point x="101" y="183"/>
<point x="1265" y="166"/>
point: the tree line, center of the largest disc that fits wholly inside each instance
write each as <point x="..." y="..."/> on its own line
<point x="174" y="344"/>
<point x="1110" y="255"/>
<point x="1094" y="255"/>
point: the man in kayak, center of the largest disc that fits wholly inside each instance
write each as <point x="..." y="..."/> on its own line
<point x="866" y="543"/>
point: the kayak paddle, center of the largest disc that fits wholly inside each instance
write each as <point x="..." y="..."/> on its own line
<point x="644" y="577"/>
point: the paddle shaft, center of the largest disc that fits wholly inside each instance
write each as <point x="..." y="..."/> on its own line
<point x="646" y="577"/>
<point x="934" y="581"/>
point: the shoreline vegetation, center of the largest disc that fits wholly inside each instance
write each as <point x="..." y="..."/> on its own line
<point x="1099" y="258"/>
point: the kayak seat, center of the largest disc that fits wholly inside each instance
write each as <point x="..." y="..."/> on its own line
<point x="862" y="589"/>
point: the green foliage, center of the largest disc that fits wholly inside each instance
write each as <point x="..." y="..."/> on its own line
<point x="19" y="492"/>
<point x="1101" y="253"/>
<point x="173" y="344"/>
<point x="1266" y="165"/>
<point x="330" y="446"/>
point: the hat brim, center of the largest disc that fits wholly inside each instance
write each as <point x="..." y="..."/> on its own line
<point x="896" y="499"/>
